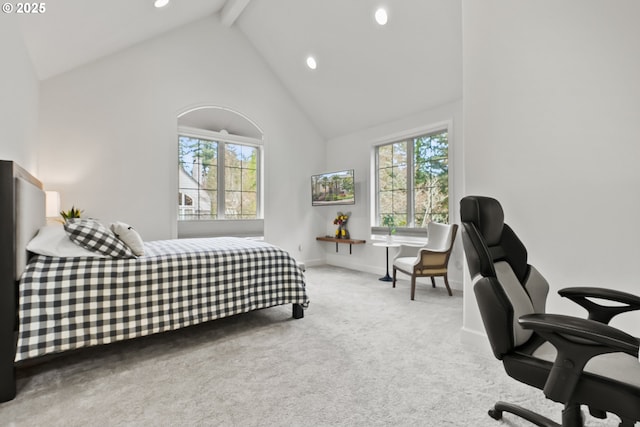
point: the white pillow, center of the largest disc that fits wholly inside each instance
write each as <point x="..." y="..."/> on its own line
<point x="52" y="240"/>
<point x="129" y="236"/>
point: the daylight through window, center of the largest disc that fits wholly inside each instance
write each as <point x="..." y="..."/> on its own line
<point x="217" y="179"/>
<point x="412" y="181"/>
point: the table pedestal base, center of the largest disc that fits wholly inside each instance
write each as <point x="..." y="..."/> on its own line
<point x="387" y="277"/>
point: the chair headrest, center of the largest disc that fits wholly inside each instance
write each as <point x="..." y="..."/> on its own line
<point x="486" y="214"/>
<point x="491" y="240"/>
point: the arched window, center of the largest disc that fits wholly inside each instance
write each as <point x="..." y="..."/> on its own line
<point x="219" y="167"/>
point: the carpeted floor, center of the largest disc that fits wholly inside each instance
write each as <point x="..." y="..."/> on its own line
<point x="364" y="355"/>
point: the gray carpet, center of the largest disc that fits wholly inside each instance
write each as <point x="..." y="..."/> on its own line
<point x="364" y="355"/>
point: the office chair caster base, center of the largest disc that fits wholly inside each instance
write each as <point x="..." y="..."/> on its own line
<point x="495" y="414"/>
<point x="535" y="418"/>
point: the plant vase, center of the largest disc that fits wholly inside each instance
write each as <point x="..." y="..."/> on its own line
<point x="341" y="221"/>
<point x="344" y="233"/>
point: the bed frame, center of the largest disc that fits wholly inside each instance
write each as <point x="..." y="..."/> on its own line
<point x="22" y="213"/>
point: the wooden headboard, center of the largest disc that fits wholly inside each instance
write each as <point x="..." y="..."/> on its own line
<point x="22" y="213"/>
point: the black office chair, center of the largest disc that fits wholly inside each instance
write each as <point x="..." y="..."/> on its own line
<point x="574" y="361"/>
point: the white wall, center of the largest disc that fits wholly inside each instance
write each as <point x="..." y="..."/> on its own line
<point x="108" y="131"/>
<point x="552" y="130"/>
<point x="18" y="99"/>
<point x="354" y="151"/>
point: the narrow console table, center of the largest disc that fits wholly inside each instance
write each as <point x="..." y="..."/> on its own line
<point x="344" y="241"/>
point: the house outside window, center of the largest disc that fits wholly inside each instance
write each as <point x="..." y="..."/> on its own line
<point x="219" y="176"/>
<point x="412" y="182"/>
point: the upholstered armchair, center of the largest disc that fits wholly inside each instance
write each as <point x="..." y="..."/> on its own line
<point x="430" y="260"/>
<point x="574" y="361"/>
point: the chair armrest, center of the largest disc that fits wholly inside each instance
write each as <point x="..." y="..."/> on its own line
<point x="590" y="332"/>
<point x="577" y="341"/>
<point x="433" y="251"/>
<point x="430" y="258"/>
<point x="599" y="312"/>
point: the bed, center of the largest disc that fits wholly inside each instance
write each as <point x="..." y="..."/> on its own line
<point x="51" y="304"/>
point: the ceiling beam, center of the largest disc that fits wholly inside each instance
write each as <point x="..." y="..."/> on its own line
<point x="232" y="10"/>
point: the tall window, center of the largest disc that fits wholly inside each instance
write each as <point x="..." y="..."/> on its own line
<point x="412" y="181"/>
<point x="218" y="178"/>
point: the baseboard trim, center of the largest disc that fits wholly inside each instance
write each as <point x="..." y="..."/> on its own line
<point x="475" y="341"/>
<point x="314" y="262"/>
<point x="339" y="261"/>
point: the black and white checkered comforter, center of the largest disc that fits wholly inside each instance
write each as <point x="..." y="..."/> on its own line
<point x="68" y="303"/>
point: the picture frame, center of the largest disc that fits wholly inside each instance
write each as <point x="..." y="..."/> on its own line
<point x="333" y="188"/>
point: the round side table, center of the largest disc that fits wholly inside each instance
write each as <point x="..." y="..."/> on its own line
<point x="386" y="277"/>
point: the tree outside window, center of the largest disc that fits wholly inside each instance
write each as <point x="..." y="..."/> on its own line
<point x="412" y="179"/>
<point x="241" y="184"/>
<point x="204" y="193"/>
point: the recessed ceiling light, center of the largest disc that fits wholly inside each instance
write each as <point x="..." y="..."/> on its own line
<point x="381" y="16"/>
<point x="160" y="3"/>
<point x="311" y="62"/>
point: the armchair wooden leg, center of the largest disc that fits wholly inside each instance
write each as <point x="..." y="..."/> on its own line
<point x="413" y="287"/>
<point x="394" y="276"/>
<point x="433" y="282"/>
<point x="446" y="283"/>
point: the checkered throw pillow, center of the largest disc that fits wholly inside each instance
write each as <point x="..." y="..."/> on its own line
<point x="93" y="236"/>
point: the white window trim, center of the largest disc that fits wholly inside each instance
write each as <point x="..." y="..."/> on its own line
<point x="218" y="136"/>
<point x="186" y="228"/>
<point x="408" y="234"/>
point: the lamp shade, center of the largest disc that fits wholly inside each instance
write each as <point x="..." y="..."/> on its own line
<point x="52" y="203"/>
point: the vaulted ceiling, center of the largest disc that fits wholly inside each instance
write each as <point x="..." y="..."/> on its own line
<point x="367" y="74"/>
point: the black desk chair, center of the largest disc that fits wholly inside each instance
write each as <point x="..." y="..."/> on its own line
<point x="574" y="361"/>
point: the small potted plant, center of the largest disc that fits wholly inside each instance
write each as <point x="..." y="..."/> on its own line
<point x="71" y="213"/>
<point x="390" y="222"/>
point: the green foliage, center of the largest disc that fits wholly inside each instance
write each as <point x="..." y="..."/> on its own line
<point x="71" y="213"/>
<point x="200" y="159"/>
<point x="389" y="221"/>
<point x="201" y="155"/>
<point x="424" y="161"/>
<point x="241" y="182"/>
